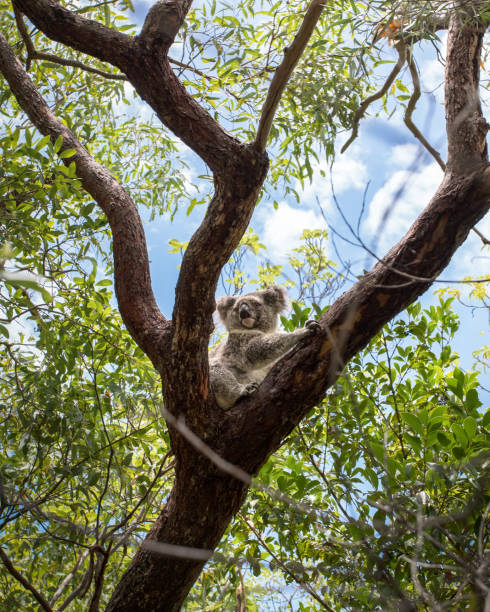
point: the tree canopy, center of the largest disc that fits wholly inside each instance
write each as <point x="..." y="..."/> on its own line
<point x="120" y="475"/>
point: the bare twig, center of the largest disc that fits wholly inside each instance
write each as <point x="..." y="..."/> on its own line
<point x="485" y="240"/>
<point x="400" y="47"/>
<point x="69" y="577"/>
<point x="411" y="107"/>
<point x="24" y="582"/>
<point x="292" y="54"/>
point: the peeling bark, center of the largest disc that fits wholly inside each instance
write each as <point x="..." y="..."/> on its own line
<point x="203" y="499"/>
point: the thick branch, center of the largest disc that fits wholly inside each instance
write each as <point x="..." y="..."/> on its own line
<point x="292" y="55"/>
<point x="299" y="382"/>
<point x="144" y="60"/>
<point x="86" y="35"/>
<point x="209" y="249"/>
<point x="465" y="125"/>
<point x="132" y="275"/>
<point x="33" y="54"/>
<point x="162" y="23"/>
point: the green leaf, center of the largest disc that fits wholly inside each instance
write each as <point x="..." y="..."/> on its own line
<point x="67" y="153"/>
<point x="470" y="426"/>
<point x="459" y="434"/>
<point x="471" y="401"/>
<point x="413" y="422"/>
<point x="57" y="144"/>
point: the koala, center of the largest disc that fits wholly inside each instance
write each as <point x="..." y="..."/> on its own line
<point x="239" y="364"/>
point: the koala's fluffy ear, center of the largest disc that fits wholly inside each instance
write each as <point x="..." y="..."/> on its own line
<point x="224" y="305"/>
<point x="277" y="297"/>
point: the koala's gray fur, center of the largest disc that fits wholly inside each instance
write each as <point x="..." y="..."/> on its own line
<point x="240" y="363"/>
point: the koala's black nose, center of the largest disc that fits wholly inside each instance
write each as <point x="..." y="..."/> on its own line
<point x="244" y="311"/>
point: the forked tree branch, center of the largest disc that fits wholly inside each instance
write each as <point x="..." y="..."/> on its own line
<point x="33" y="54"/>
<point x="299" y="381"/>
<point x="132" y="275"/>
<point x="292" y="55"/>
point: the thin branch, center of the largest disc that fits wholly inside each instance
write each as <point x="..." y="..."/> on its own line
<point x="284" y="567"/>
<point x="414" y="129"/>
<point x="411" y="107"/>
<point x="65" y="582"/>
<point x="201" y="74"/>
<point x="292" y="55"/>
<point x="83" y="586"/>
<point x="54" y="59"/>
<point x="160" y="472"/>
<point x="24" y="582"/>
<point x="100" y="567"/>
<point x="485" y="240"/>
<point x="359" y="114"/>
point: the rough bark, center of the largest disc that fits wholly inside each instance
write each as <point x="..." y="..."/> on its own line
<point x="203" y="500"/>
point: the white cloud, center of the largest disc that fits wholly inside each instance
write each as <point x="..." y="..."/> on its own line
<point x="348" y="172"/>
<point x="472" y="259"/>
<point x="396" y="205"/>
<point x="283" y="227"/>
<point x="403" y="155"/>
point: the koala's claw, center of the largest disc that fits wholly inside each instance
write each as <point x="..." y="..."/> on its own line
<point x="313" y="325"/>
<point x="250" y="388"/>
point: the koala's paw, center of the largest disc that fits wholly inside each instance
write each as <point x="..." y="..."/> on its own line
<point x="313" y="326"/>
<point x="250" y="388"/>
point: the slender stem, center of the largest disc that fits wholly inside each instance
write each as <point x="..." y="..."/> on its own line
<point x="359" y="114"/>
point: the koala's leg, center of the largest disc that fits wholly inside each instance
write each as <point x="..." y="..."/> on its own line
<point x="226" y="388"/>
<point x="267" y="348"/>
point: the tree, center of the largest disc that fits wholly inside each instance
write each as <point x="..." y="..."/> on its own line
<point x="204" y="498"/>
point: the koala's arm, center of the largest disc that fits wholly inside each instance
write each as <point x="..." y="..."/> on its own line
<point x="267" y="348"/>
<point x="226" y="387"/>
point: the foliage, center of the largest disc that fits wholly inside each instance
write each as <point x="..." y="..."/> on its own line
<point x="83" y="445"/>
<point x="383" y="486"/>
